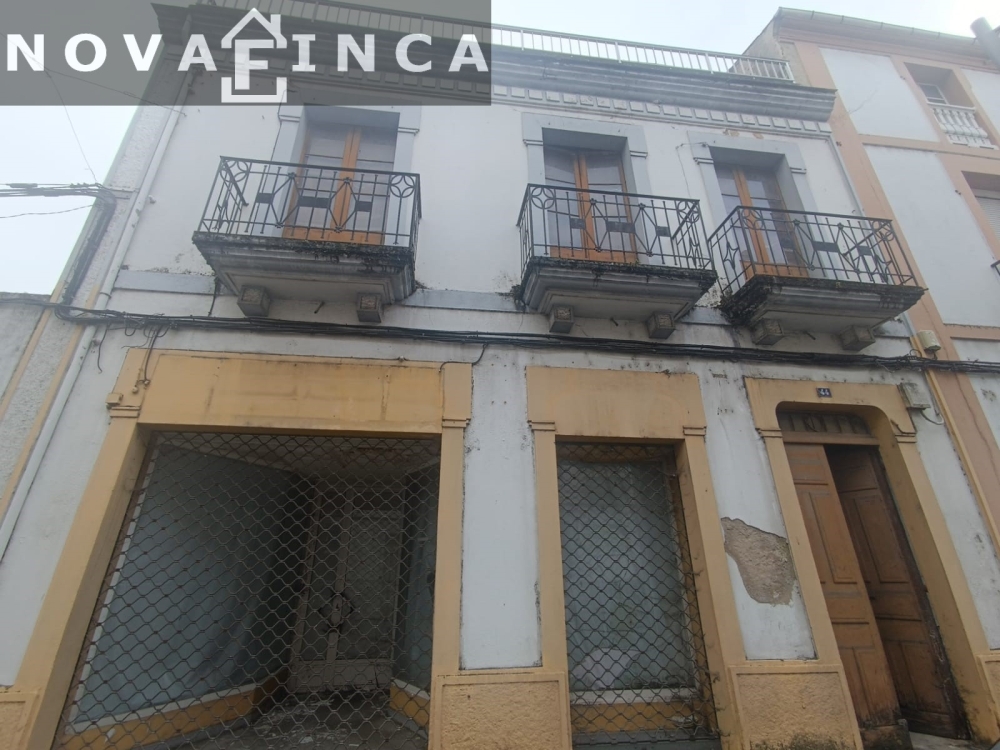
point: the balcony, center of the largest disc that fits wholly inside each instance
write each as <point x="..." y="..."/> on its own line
<point x="961" y="126"/>
<point x="599" y="254"/>
<point x="797" y="271"/>
<point x="277" y="231"/>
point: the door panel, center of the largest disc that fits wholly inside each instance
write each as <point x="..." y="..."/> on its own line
<point x="916" y="657"/>
<point x="347" y="611"/>
<point x="333" y="202"/>
<point x="772" y="246"/>
<point x="851" y="614"/>
<point x="582" y="225"/>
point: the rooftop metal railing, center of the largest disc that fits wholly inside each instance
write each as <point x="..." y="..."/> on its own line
<point x="799" y="244"/>
<point x="633" y="52"/>
<point x="514" y="37"/>
<point x="605" y="226"/>
<point x="266" y="199"/>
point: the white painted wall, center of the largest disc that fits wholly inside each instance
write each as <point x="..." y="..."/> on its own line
<point x="987" y="386"/>
<point x="947" y="243"/>
<point x="500" y="626"/>
<point x="473" y="167"/>
<point x="878" y="100"/>
<point x="470" y="195"/>
<point x="162" y="240"/>
<point x="964" y="520"/>
<point x="499" y="607"/>
<point x="986" y="88"/>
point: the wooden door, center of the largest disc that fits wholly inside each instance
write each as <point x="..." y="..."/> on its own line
<point x="341" y="191"/>
<point x="773" y="247"/>
<point x="917" y="660"/>
<point x="587" y="225"/>
<point x="851" y="613"/>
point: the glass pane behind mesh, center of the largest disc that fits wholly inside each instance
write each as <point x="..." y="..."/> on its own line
<point x="636" y="659"/>
<point x="266" y="591"/>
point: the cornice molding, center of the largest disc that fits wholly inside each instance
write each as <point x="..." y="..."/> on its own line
<point x="650" y="110"/>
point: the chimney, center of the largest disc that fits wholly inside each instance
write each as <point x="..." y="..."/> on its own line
<point x="988" y="39"/>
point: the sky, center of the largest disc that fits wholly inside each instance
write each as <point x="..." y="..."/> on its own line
<point x="78" y="144"/>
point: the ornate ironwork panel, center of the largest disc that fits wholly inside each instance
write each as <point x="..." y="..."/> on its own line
<point x="767" y="242"/>
<point x="258" y="199"/>
<point x="624" y="228"/>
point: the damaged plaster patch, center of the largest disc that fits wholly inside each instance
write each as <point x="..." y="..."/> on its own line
<point x="763" y="559"/>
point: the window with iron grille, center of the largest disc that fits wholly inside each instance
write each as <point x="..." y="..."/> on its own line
<point x="638" y="671"/>
<point x="266" y="591"/>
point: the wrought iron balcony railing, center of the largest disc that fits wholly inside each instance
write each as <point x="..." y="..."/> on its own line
<point x="962" y="126"/>
<point x="798" y="244"/>
<point x="604" y="226"/>
<point x="317" y="208"/>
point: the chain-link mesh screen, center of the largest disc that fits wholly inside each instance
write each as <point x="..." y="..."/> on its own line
<point x="638" y="673"/>
<point x="266" y="592"/>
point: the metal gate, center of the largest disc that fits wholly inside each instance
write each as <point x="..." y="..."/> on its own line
<point x="267" y="591"/>
<point x="638" y="671"/>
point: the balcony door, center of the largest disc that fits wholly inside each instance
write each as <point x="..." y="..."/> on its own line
<point x="343" y="186"/>
<point x="770" y="246"/>
<point x="588" y="216"/>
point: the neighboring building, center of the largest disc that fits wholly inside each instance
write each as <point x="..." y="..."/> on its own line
<point x="630" y="449"/>
<point x="918" y="124"/>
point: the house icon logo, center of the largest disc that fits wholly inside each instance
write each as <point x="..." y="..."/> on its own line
<point x="242" y="49"/>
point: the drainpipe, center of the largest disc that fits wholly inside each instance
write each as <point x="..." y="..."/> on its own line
<point x="988" y="39"/>
<point x="23" y="487"/>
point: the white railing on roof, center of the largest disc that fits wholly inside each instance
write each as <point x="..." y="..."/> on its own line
<point x="961" y="126"/>
<point x="632" y="52"/>
<point x="519" y="38"/>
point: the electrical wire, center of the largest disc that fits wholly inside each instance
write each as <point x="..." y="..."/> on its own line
<point x="44" y="213"/>
<point x="69" y="119"/>
<point x="159" y="325"/>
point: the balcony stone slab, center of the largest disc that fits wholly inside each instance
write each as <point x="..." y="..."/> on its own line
<point x="596" y="289"/>
<point x="817" y="305"/>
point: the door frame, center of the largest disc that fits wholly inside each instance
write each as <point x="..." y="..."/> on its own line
<point x="182" y="391"/>
<point x="883" y="409"/>
<point x="572" y="404"/>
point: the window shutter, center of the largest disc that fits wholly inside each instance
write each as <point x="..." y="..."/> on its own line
<point x="991" y="207"/>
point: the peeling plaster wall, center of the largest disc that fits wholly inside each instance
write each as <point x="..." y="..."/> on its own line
<point x="746" y="496"/>
<point x="763" y="560"/>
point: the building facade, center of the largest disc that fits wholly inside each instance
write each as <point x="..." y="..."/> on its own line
<point x="589" y="418"/>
